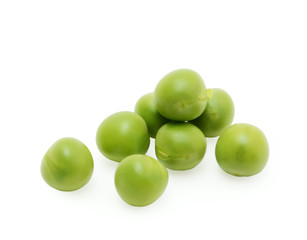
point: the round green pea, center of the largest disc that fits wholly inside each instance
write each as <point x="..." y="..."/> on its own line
<point x="146" y="108"/>
<point x="218" y="114"/>
<point x="181" y="95"/>
<point x="140" y="180"/>
<point x="242" y="150"/>
<point x="67" y="165"/>
<point x="122" y="134"/>
<point x="180" y="145"/>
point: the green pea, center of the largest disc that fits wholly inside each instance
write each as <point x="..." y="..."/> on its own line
<point x="122" y="134"/>
<point x="140" y="180"/>
<point x="67" y="165"/>
<point x="146" y="108"/>
<point x="242" y="150"/>
<point x="181" y="95"/>
<point x="180" y="145"/>
<point x="218" y="114"/>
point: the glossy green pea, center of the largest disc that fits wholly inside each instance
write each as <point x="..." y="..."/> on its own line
<point x="181" y="95"/>
<point x="122" y="134"/>
<point x="67" y="165"/>
<point x="140" y="180"/>
<point x="218" y="114"/>
<point x="180" y="145"/>
<point x="242" y="150"/>
<point x="146" y="108"/>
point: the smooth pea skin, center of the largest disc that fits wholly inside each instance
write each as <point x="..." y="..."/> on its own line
<point x="242" y="150"/>
<point x="146" y="108"/>
<point x="218" y="114"/>
<point x="140" y="180"/>
<point x="67" y="165"/>
<point x="180" y="145"/>
<point x="181" y="95"/>
<point x="122" y="134"/>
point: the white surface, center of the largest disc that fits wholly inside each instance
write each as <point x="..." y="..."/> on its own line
<point x="66" y="65"/>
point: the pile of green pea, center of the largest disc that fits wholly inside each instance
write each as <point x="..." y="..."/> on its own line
<point x="179" y="114"/>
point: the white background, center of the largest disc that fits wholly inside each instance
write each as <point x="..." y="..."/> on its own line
<point x="67" y="65"/>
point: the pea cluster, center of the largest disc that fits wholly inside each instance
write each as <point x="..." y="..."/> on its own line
<point x="180" y="114"/>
